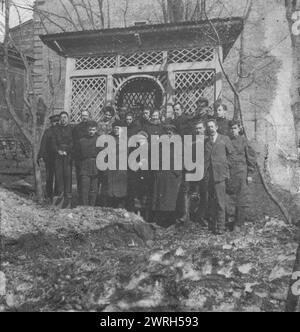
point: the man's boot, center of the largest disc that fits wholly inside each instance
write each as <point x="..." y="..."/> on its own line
<point x="58" y="200"/>
<point x="240" y="216"/>
<point x="93" y="199"/>
<point x="67" y="202"/>
<point x="186" y="209"/>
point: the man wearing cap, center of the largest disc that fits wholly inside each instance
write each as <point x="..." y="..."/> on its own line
<point x="62" y="144"/>
<point x="46" y="154"/>
<point x="79" y="131"/>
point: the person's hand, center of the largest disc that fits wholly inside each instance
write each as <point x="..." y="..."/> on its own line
<point x="249" y="180"/>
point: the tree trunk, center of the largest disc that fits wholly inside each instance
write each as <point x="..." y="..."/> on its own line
<point x="175" y="10"/>
<point x="203" y="9"/>
<point x="37" y="176"/>
<point x="164" y="11"/>
<point x="291" y="7"/>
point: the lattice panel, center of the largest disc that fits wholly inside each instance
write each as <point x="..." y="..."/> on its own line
<point x="134" y="98"/>
<point x="86" y="63"/>
<point x="191" y="85"/>
<point x="141" y="59"/>
<point x="90" y="93"/>
<point x="118" y="80"/>
<point x="191" y="55"/>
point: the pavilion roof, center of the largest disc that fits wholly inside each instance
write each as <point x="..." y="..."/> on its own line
<point x="158" y="37"/>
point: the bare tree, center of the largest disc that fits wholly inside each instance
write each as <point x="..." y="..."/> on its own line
<point x="175" y="10"/>
<point x="172" y="10"/>
<point x="239" y="84"/>
<point x="292" y="7"/>
<point x="108" y="14"/>
<point x="101" y="12"/>
<point x="124" y="10"/>
<point x="33" y="133"/>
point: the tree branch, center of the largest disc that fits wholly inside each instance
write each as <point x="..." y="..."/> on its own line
<point x="73" y="4"/>
<point x="100" y="5"/>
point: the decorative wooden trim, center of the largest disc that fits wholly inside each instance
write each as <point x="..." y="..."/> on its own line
<point x="144" y="69"/>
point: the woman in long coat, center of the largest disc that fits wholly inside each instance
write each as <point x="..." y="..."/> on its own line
<point x="115" y="181"/>
<point x="166" y="188"/>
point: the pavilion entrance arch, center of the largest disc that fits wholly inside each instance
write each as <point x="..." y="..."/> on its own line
<point x="136" y="90"/>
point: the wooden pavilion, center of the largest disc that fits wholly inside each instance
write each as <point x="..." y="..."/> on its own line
<point x="153" y="65"/>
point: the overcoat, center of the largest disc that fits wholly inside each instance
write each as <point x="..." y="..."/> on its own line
<point x="166" y="187"/>
<point x="87" y="154"/>
<point x="219" y="156"/>
<point x="242" y="166"/>
<point x="115" y="181"/>
<point x="46" y="149"/>
<point x="224" y="126"/>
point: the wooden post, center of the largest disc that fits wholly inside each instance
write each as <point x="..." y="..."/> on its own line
<point x="70" y="68"/>
<point x="110" y="89"/>
<point x="170" y="93"/>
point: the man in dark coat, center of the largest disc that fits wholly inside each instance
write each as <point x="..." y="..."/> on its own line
<point x="79" y="131"/>
<point x="203" y="111"/>
<point x="122" y="112"/>
<point x="242" y="169"/>
<point x="140" y="182"/>
<point x="166" y="186"/>
<point x="200" y="188"/>
<point x="222" y="121"/>
<point x="218" y="156"/>
<point x="154" y="126"/>
<point x="182" y="122"/>
<point x="184" y="126"/>
<point x="62" y="143"/>
<point x="145" y="118"/>
<point x="88" y="169"/>
<point x="47" y="154"/>
<point x="106" y="124"/>
<point x="133" y="127"/>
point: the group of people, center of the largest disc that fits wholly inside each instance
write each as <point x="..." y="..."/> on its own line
<point x="161" y="196"/>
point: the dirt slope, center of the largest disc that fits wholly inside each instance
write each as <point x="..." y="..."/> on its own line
<point x="104" y="260"/>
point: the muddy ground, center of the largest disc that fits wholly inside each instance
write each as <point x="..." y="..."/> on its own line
<point x="109" y="260"/>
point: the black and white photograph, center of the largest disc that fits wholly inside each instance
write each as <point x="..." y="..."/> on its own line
<point x="149" y="158"/>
